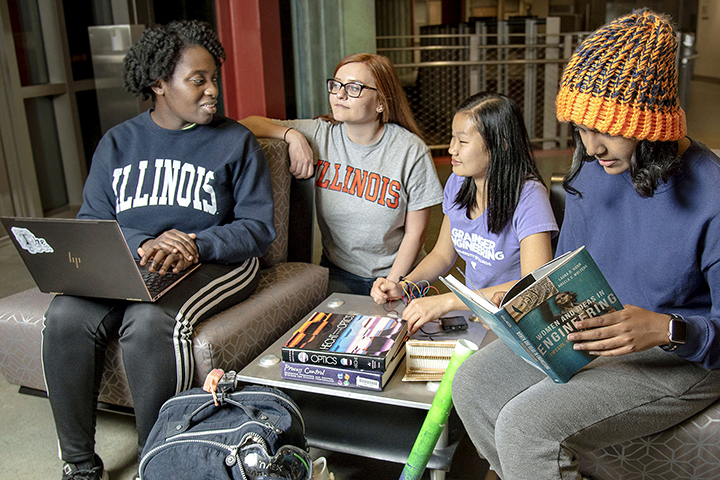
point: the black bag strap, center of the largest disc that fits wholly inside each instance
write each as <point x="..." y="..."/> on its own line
<point x="175" y="428"/>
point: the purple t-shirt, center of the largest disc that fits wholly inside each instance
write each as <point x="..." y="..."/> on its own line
<point x="492" y="259"/>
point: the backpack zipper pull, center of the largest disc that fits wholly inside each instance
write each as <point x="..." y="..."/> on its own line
<point x="273" y="428"/>
<point x="231" y="458"/>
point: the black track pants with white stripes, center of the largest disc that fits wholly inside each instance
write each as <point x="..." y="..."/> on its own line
<point x="156" y="342"/>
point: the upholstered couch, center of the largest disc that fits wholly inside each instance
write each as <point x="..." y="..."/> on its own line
<point x="229" y="340"/>
<point x="689" y="450"/>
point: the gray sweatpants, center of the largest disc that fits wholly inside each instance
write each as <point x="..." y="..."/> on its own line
<point x="530" y="428"/>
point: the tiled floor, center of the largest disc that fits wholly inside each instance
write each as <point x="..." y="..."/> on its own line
<point x="27" y="441"/>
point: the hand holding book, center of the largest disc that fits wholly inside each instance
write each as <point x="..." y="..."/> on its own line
<point x="630" y="330"/>
<point x="543" y="308"/>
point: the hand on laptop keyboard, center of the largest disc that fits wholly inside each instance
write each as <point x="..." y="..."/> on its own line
<point x="172" y="251"/>
<point x="156" y="283"/>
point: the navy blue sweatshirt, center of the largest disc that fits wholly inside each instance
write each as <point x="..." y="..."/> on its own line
<point x="660" y="253"/>
<point x="211" y="180"/>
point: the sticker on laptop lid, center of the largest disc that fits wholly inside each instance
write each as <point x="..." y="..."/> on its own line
<point x="28" y="241"/>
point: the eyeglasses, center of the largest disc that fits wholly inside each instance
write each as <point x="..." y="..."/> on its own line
<point x="353" y="89"/>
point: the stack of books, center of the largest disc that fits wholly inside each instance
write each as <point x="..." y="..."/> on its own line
<point x="347" y="350"/>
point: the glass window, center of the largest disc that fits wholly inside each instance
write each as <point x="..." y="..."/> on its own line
<point x="46" y="153"/>
<point x="28" y="37"/>
<point x="6" y="202"/>
<point x="79" y="15"/>
<point x="89" y="122"/>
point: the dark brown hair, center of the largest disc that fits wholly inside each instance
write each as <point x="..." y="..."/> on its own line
<point x="499" y="121"/>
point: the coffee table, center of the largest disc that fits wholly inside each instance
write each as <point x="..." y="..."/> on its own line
<point x="380" y="425"/>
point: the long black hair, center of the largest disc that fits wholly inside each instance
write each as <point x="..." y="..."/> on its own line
<point x="158" y="50"/>
<point x="652" y="164"/>
<point x="499" y="121"/>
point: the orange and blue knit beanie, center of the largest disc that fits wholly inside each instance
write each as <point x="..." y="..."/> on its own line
<point x="622" y="80"/>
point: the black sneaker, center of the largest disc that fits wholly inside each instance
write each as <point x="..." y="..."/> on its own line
<point x="94" y="470"/>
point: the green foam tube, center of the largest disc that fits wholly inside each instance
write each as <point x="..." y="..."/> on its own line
<point x="437" y="416"/>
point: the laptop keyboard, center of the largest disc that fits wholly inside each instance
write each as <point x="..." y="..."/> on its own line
<point x="156" y="283"/>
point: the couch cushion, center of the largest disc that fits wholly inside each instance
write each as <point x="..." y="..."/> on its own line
<point x="21" y="322"/>
<point x="231" y="339"/>
<point x="276" y="152"/>
<point x="690" y="449"/>
<point x="228" y="340"/>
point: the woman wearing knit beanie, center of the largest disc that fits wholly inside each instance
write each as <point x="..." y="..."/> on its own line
<point x="644" y="199"/>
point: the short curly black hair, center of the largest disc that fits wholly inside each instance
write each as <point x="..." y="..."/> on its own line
<point x="158" y="50"/>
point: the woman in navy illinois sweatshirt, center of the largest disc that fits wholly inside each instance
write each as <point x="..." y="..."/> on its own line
<point x="186" y="186"/>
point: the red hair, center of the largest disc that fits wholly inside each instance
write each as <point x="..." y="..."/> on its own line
<point x="396" y="108"/>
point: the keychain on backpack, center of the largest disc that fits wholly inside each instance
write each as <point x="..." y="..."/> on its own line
<point x="211" y="383"/>
<point x="219" y="381"/>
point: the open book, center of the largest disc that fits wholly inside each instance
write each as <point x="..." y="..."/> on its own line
<point x="541" y="309"/>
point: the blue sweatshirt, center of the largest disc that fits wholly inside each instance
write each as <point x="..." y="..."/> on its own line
<point x="211" y="180"/>
<point x="660" y="253"/>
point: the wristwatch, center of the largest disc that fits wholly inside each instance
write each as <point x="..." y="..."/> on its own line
<point x="676" y="333"/>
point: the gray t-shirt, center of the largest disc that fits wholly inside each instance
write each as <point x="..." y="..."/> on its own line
<point x="363" y="192"/>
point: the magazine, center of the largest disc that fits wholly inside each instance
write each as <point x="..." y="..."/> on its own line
<point x="361" y="342"/>
<point x="541" y="309"/>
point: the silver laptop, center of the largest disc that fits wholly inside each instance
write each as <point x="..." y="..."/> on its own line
<point x="86" y="258"/>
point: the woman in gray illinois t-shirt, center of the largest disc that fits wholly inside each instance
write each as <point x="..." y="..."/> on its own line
<point x="375" y="180"/>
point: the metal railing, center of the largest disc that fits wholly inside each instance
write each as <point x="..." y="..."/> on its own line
<point x="522" y="59"/>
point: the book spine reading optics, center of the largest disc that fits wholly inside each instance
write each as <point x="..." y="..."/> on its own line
<point x="336" y="360"/>
<point x="346" y="341"/>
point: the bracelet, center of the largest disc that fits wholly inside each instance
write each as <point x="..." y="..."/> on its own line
<point x="285" y="134"/>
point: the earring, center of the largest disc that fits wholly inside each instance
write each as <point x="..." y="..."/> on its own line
<point x="380" y="109"/>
